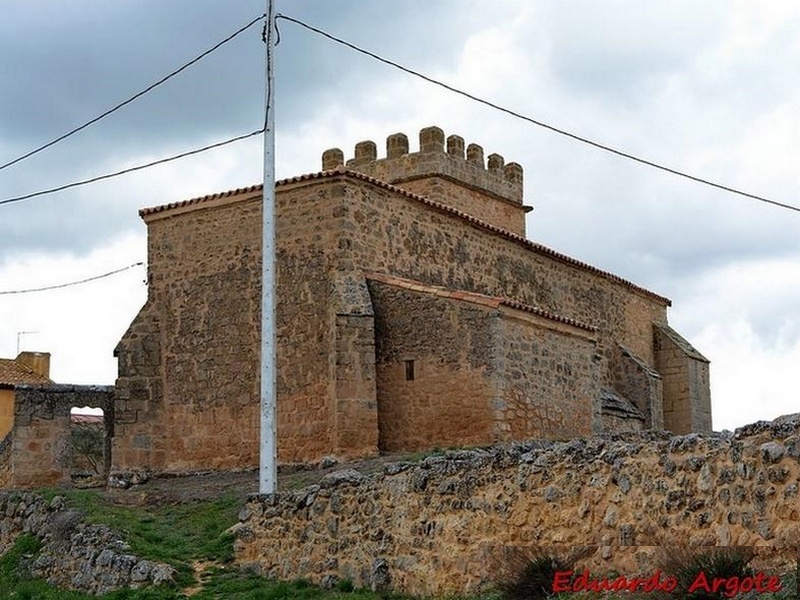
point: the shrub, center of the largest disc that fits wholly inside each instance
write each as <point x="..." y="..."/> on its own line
<point x="687" y="563"/>
<point x="345" y="585"/>
<point x="529" y="574"/>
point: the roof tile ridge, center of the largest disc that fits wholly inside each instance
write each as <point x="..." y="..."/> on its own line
<point x="547" y="314"/>
<point x="200" y="199"/>
<point x="474" y="297"/>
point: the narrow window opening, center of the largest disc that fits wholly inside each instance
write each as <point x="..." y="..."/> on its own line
<point x="409" y="370"/>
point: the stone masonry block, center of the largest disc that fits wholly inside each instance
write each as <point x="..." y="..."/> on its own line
<point x="366" y="151"/>
<point x="455" y="146"/>
<point x="332" y="159"/>
<point x="513" y="173"/>
<point x="431" y="139"/>
<point x="396" y="145"/>
<point x="475" y="154"/>
<point x="495" y="162"/>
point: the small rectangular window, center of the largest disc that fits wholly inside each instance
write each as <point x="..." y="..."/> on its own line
<point x="409" y="370"/>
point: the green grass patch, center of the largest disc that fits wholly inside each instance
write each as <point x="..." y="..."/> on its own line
<point x="174" y="534"/>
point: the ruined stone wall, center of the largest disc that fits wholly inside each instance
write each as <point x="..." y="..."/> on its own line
<point x="74" y="554"/>
<point x="41" y="452"/>
<point x="438" y="526"/>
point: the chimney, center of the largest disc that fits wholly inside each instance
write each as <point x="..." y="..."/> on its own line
<point x="38" y="362"/>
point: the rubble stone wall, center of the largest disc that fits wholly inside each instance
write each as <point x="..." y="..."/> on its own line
<point x="74" y="554"/>
<point x="436" y="370"/>
<point x="438" y="526"/>
<point x="549" y="377"/>
<point x="457" y="369"/>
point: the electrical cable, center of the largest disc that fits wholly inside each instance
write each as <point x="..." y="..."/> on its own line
<point x="534" y="121"/>
<point x="72" y="283"/>
<point x="134" y="97"/>
<point x="130" y="169"/>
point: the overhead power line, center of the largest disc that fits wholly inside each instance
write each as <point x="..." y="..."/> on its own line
<point x="72" y="283"/>
<point x="135" y="96"/>
<point x="518" y="115"/>
<point x="130" y="169"/>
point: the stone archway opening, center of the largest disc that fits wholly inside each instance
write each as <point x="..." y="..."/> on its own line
<point x="89" y="439"/>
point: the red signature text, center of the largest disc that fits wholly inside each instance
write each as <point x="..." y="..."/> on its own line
<point x="570" y="581"/>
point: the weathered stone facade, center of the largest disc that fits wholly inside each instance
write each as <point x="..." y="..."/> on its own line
<point x="443" y="525"/>
<point x="412" y="312"/>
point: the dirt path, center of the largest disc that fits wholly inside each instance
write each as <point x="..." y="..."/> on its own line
<point x="206" y="486"/>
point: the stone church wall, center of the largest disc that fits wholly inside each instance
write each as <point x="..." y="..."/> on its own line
<point x="188" y="391"/>
<point x="419" y="241"/>
<point x="435" y="370"/>
<point x="460" y="369"/>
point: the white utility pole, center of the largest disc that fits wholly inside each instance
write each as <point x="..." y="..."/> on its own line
<point x="268" y="459"/>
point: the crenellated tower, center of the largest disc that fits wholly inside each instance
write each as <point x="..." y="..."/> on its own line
<point x="445" y="171"/>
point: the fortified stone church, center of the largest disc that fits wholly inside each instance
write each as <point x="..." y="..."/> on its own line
<point x="412" y="313"/>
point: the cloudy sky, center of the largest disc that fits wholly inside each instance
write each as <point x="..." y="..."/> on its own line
<point x="709" y="88"/>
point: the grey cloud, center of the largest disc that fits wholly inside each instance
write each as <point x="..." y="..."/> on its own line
<point x="616" y="49"/>
<point x="59" y="72"/>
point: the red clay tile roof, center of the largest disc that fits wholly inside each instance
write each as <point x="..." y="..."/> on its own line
<point x="163" y="207"/>
<point x="343" y="171"/>
<point x="473" y="297"/>
<point x="80" y="419"/>
<point x="14" y="373"/>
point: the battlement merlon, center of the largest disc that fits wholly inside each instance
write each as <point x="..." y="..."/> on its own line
<point x="445" y="171"/>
